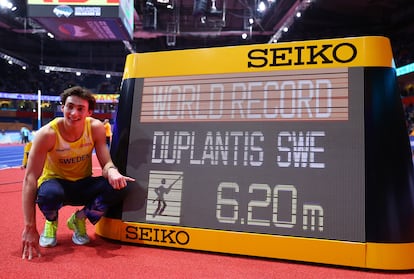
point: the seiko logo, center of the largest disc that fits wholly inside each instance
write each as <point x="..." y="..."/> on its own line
<point x="302" y="55"/>
<point x="169" y="236"/>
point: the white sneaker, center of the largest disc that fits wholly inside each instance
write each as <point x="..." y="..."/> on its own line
<point x="79" y="237"/>
<point x="48" y="237"/>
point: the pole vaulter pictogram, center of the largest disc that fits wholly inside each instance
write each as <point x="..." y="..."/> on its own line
<point x="160" y="191"/>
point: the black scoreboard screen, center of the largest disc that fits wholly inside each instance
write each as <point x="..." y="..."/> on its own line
<point x="292" y="151"/>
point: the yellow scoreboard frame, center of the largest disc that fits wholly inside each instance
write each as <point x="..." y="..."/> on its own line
<point x="244" y="134"/>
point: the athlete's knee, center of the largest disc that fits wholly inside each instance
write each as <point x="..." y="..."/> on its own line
<point x="50" y="192"/>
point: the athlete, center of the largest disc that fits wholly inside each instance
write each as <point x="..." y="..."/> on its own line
<point x="108" y="132"/>
<point x="59" y="172"/>
<point x="26" y="151"/>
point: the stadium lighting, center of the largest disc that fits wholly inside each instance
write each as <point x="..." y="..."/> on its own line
<point x="12" y="60"/>
<point x="49" y="69"/>
<point x="6" y="4"/>
<point x="261" y="7"/>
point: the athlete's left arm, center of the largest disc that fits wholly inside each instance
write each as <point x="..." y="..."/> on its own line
<point x="109" y="170"/>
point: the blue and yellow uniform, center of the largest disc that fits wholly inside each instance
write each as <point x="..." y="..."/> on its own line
<point x="69" y="160"/>
<point x="67" y="178"/>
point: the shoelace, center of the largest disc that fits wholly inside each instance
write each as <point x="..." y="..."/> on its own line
<point x="80" y="226"/>
<point x="50" y="229"/>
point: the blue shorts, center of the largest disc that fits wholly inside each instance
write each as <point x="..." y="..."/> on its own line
<point x="94" y="193"/>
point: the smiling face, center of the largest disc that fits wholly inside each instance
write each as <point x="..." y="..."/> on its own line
<point x="75" y="110"/>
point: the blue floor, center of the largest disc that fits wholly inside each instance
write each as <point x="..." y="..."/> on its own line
<point x="11" y="156"/>
<point x="11" y="149"/>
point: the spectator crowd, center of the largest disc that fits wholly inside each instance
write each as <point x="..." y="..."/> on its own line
<point x="14" y="79"/>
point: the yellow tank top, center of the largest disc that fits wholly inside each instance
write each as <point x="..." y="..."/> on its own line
<point x="69" y="160"/>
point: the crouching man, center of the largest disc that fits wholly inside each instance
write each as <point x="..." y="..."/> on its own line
<point x="59" y="172"/>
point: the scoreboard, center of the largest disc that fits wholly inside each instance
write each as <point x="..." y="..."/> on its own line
<point x="85" y="20"/>
<point x="293" y="151"/>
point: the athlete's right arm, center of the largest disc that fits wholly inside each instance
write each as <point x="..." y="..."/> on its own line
<point x="43" y="142"/>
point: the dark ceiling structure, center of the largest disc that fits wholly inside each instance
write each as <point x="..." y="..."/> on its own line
<point x="209" y="23"/>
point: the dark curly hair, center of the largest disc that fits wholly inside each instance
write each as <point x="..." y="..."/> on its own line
<point x="81" y="93"/>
